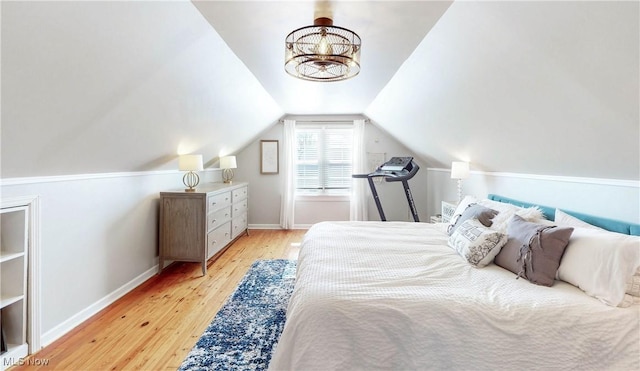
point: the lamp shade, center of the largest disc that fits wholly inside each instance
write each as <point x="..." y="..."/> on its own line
<point x="190" y="163"/>
<point x="459" y="170"/>
<point x="228" y="162"/>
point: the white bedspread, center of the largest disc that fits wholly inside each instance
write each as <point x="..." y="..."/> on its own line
<point x="394" y="296"/>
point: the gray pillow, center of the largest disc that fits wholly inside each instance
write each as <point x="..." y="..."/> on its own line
<point x="533" y="251"/>
<point x="474" y="211"/>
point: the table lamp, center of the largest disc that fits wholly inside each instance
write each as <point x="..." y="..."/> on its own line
<point x="190" y="164"/>
<point x="459" y="170"/>
<point x="226" y="164"/>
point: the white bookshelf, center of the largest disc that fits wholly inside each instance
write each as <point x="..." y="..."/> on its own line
<point x="14" y="250"/>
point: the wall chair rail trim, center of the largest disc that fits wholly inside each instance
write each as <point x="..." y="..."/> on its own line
<point x="79" y="177"/>
<point x="554" y="178"/>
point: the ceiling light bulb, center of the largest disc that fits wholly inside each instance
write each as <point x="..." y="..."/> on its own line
<point x="324" y="47"/>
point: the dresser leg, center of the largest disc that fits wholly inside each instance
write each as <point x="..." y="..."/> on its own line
<point x="204" y="268"/>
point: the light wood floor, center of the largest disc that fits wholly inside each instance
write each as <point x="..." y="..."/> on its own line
<point x="156" y="325"/>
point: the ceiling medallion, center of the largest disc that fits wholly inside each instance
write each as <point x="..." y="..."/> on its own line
<point x="322" y="52"/>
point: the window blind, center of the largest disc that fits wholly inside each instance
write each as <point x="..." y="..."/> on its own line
<point x="324" y="157"/>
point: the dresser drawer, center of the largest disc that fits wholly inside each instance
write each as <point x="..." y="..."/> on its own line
<point x="218" y="201"/>
<point x="218" y="217"/>
<point x="239" y="208"/>
<point x="238" y="225"/>
<point x="218" y="238"/>
<point x="240" y="193"/>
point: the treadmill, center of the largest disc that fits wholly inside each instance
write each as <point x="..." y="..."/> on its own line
<point x="398" y="169"/>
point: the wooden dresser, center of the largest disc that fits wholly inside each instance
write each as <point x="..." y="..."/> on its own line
<point x="196" y="226"/>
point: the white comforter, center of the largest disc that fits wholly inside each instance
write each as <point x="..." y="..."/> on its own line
<point x="394" y="296"/>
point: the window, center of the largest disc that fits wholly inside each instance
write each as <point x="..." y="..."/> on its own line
<point x="323" y="163"/>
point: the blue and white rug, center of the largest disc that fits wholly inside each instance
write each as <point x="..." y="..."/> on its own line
<point x="245" y="331"/>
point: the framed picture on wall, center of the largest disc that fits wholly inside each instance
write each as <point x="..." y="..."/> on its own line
<point x="269" y="157"/>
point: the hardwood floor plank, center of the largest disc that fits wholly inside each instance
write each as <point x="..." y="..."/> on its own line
<point x="155" y="326"/>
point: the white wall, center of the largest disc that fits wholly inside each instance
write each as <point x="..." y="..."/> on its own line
<point x="609" y="198"/>
<point x="265" y="189"/>
<point x="99" y="238"/>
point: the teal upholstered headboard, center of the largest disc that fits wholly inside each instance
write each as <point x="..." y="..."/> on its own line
<point x="549" y="213"/>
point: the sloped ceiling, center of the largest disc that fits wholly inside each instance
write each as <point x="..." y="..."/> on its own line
<point x="527" y="87"/>
<point x="540" y="87"/>
<point x="256" y="30"/>
<point x="93" y="87"/>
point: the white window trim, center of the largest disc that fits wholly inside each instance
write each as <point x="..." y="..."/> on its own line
<point x="322" y="197"/>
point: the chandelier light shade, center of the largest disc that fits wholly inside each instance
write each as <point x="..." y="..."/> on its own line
<point x="322" y="52"/>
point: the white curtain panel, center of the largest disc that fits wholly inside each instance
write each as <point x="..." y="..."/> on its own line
<point x="289" y="168"/>
<point x="358" y="207"/>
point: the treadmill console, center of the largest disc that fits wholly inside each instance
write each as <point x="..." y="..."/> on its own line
<point x="397" y="164"/>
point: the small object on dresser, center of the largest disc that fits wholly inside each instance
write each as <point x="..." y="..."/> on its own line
<point x="436" y="219"/>
<point x="448" y="208"/>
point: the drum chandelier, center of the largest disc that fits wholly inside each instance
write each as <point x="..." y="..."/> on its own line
<point x="322" y="52"/>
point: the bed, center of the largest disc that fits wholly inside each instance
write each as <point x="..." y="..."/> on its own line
<point x="396" y="296"/>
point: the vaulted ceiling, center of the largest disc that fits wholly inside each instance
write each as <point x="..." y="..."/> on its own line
<point x="390" y="30"/>
<point x="541" y="87"/>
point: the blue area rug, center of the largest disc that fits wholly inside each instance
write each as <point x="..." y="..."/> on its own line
<point x="245" y="331"/>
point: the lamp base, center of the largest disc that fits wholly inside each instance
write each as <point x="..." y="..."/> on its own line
<point x="227" y="175"/>
<point x="191" y="180"/>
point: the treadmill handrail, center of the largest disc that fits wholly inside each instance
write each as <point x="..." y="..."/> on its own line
<point x="403" y="175"/>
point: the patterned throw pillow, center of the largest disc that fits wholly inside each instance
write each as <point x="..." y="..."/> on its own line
<point x="477" y="244"/>
<point x="474" y="211"/>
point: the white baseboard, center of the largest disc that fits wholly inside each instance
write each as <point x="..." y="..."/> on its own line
<point x="68" y="325"/>
<point x="277" y="226"/>
<point x="264" y="226"/>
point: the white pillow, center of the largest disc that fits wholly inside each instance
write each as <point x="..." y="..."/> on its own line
<point x="507" y="211"/>
<point x="600" y="263"/>
<point x="568" y="220"/>
<point x="476" y="243"/>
